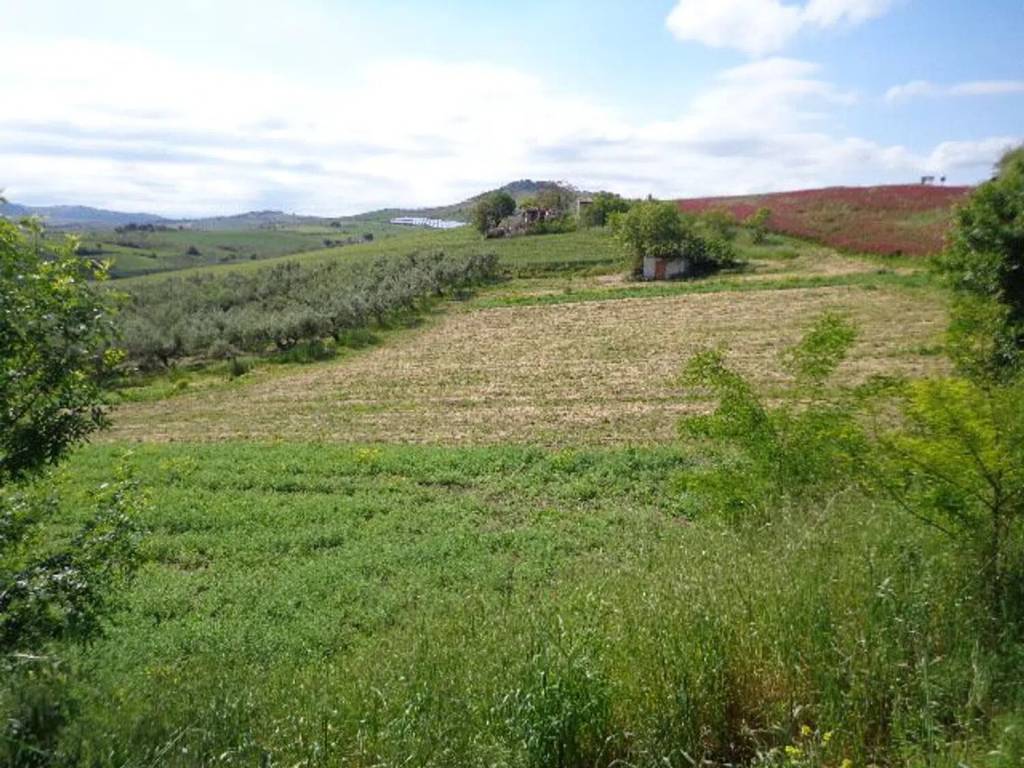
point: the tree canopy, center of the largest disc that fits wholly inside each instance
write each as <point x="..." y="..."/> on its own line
<point x="57" y="336"/>
<point x="984" y="265"/>
<point x="491" y="209"/>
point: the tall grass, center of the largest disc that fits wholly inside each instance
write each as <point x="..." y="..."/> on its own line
<point x="415" y="606"/>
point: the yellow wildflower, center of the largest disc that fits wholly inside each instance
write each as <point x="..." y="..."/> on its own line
<point x="805" y="730"/>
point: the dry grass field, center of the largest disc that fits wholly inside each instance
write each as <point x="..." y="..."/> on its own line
<point x="579" y="372"/>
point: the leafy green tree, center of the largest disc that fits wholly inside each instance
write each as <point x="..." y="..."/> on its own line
<point x="57" y="350"/>
<point x="654" y="228"/>
<point x="650" y="228"/>
<point x="491" y="209"/>
<point x="601" y="209"/>
<point x="984" y="265"/>
<point x="557" y="198"/>
<point x="57" y="339"/>
<point x="957" y="462"/>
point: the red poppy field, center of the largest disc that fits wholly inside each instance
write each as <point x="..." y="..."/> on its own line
<point x="909" y="219"/>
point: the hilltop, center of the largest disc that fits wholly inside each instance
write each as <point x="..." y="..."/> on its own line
<point x="907" y="219"/>
<point x="463" y="211"/>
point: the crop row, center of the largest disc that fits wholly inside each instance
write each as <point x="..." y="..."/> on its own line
<point x="222" y="315"/>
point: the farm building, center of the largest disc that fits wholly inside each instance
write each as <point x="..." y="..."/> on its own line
<point x="665" y="267"/>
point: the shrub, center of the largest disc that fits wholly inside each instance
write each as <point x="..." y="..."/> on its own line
<point x="757" y="223"/>
<point x="720" y="223"/>
<point x="57" y="337"/>
<point x="56" y="354"/>
<point x="984" y="265"/>
<point x="783" y="453"/>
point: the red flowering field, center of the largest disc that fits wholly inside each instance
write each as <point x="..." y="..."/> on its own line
<point x="907" y="219"/>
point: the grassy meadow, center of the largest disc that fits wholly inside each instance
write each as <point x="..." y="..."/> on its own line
<point x="472" y="541"/>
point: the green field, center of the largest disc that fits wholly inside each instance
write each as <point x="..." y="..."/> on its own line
<point x="475" y="540"/>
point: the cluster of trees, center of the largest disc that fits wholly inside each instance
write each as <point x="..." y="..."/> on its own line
<point x="491" y="209"/>
<point x="660" y="229"/>
<point x="222" y="315"/>
<point x="603" y="206"/>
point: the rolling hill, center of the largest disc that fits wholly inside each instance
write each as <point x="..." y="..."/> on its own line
<point x="906" y="219"/>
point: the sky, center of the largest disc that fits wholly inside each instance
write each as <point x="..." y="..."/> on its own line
<point x="333" y="107"/>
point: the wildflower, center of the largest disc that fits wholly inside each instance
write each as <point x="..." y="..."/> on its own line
<point x="826" y="737"/>
<point x="805" y="730"/>
<point x="792" y="752"/>
<point x="847" y="763"/>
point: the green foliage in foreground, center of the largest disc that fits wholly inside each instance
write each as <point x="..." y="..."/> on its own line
<point x="984" y="264"/>
<point x="515" y="607"/>
<point x="57" y="338"/>
<point x="220" y="315"/>
<point x="949" y="452"/>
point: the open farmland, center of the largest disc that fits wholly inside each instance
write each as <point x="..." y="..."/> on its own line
<point x="599" y="371"/>
<point x="885" y="220"/>
<point x="471" y="540"/>
<point x="550" y="355"/>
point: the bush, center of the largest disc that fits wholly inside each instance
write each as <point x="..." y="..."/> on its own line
<point x="57" y="351"/>
<point x="720" y="223"/>
<point x="984" y="265"/>
<point x="56" y="354"/>
<point x="757" y="223"/>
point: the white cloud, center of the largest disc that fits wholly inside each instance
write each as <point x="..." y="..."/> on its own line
<point x="122" y="127"/>
<point x="758" y="27"/>
<point x="925" y="88"/>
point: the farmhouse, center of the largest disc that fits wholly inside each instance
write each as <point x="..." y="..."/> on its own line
<point x="665" y="267"/>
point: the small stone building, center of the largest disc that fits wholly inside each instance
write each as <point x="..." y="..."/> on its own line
<point x="665" y="268"/>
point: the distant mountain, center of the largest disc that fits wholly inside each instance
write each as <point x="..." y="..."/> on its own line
<point x="249" y="220"/>
<point x="78" y="215"/>
<point x="83" y="217"/>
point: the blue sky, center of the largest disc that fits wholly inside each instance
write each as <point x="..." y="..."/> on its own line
<point x="191" y="108"/>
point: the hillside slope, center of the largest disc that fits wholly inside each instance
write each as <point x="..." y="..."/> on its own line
<point x="889" y="220"/>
